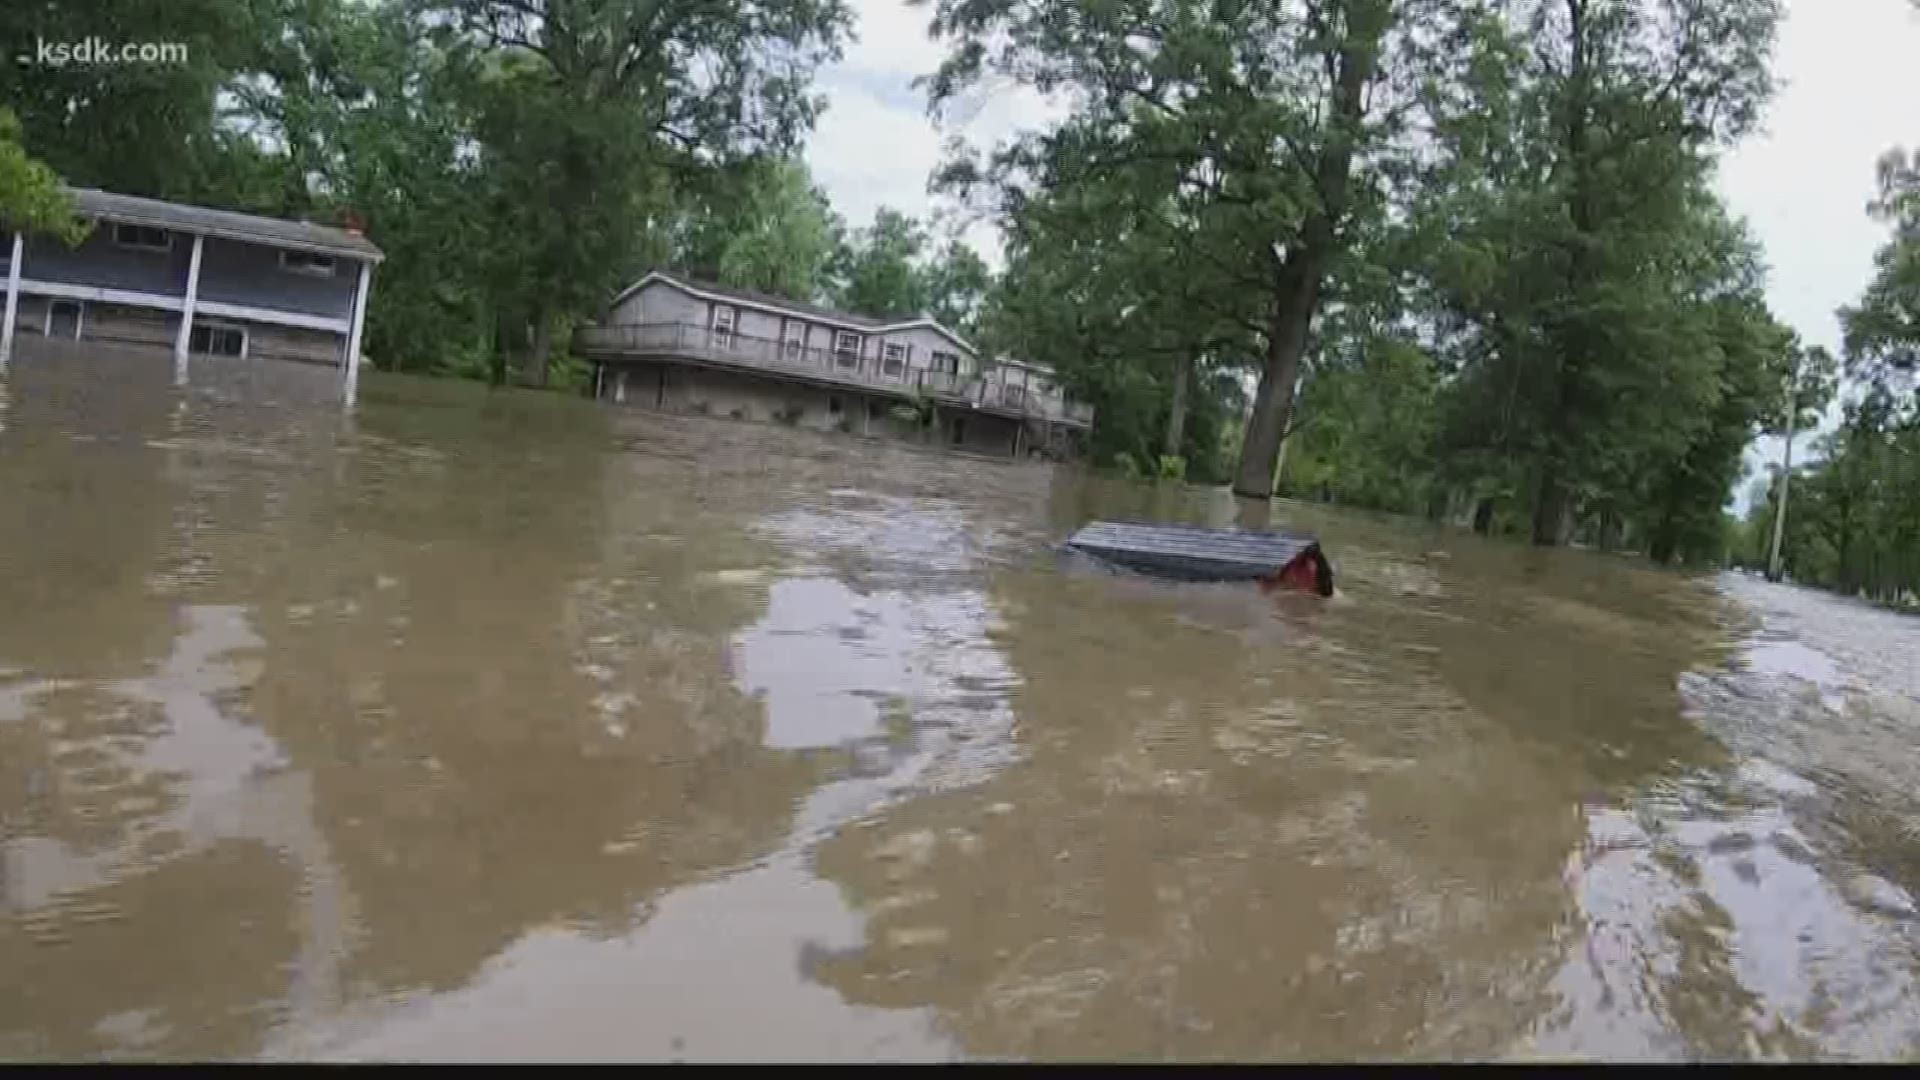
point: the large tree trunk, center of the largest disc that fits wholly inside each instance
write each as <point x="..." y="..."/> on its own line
<point x="1177" y="412"/>
<point x="503" y="348"/>
<point x="1550" y="497"/>
<point x="1549" y="507"/>
<point x="1297" y="290"/>
<point x="535" y="374"/>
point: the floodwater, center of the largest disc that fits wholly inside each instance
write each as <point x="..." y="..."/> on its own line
<point x="500" y="726"/>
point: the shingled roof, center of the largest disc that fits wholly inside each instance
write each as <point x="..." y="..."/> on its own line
<point x="225" y="224"/>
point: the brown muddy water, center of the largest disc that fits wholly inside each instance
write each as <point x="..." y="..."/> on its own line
<point x="498" y="726"/>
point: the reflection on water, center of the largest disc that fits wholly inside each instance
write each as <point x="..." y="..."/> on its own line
<point x="495" y="726"/>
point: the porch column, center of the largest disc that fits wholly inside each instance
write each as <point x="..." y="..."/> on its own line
<point x="350" y="363"/>
<point x="185" y="336"/>
<point x="13" y="298"/>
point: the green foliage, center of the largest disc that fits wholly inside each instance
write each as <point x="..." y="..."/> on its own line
<point x="1599" y="308"/>
<point x="1172" y="467"/>
<point x="957" y="282"/>
<point x="878" y="272"/>
<point x="31" y="199"/>
<point x="1883" y="329"/>
<point x="1239" y="154"/>
<point x="1368" y="431"/>
<point x="144" y="129"/>
<point x="1853" y="524"/>
<point x="762" y="224"/>
<point x="516" y="159"/>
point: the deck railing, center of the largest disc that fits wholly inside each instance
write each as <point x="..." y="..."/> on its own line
<point x="866" y="372"/>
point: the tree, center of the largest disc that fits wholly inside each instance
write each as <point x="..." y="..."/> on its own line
<point x="1882" y="331"/>
<point x="957" y="282"/>
<point x="1100" y="286"/>
<point x="1369" y="439"/>
<point x="584" y="109"/>
<point x="762" y="224"/>
<point x="1275" y="128"/>
<point x="139" y="128"/>
<point x="878" y="272"/>
<point x="31" y="199"/>
<point x="1584" y="239"/>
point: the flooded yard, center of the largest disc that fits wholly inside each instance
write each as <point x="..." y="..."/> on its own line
<point x="505" y="726"/>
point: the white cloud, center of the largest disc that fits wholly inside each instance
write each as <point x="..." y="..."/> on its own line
<point x="892" y="39"/>
<point x="868" y="153"/>
<point x="877" y="145"/>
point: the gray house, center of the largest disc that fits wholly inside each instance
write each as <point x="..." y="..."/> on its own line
<point x="675" y="343"/>
<point x="194" y="281"/>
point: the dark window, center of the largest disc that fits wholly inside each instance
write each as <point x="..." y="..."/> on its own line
<point x="876" y="410"/>
<point x="946" y="363"/>
<point x="833" y="406"/>
<point x="64" y="318"/>
<point x="306" y="262"/>
<point x="893" y="359"/>
<point x="142" y="236"/>
<point x="218" y="340"/>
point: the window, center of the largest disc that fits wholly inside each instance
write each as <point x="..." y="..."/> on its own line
<point x="306" y="262"/>
<point x="143" y="237"/>
<point x="833" y="406"/>
<point x="846" y="348"/>
<point x="723" y="326"/>
<point x="794" y="337"/>
<point x="217" y="340"/>
<point x="64" y="318"/>
<point x="946" y="363"/>
<point x="895" y="360"/>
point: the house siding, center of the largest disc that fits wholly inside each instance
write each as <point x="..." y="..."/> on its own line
<point x="704" y="392"/>
<point x="100" y="263"/>
<point x="268" y="342"/>
<point x="251" y="274"/>
<point x="126" y="325"/>
<point x="31" y="316"/>
<point x="659" y="302"/>
<point x="923" y="343"/>
<point x="979" y="432"/>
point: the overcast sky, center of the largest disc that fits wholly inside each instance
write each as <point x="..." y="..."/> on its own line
<point x="1847" y="69"/>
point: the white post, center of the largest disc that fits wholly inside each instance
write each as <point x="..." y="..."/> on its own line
<point x="1786" y="476"/>
<point x="13" y="298"/>
<point x="351" y="362"/>
<point x="185" y="336"/>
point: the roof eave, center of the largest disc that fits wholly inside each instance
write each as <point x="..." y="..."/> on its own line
<point x="369" y="254"/>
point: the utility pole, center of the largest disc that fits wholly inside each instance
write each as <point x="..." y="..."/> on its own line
<point x="1786" y="473"/>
